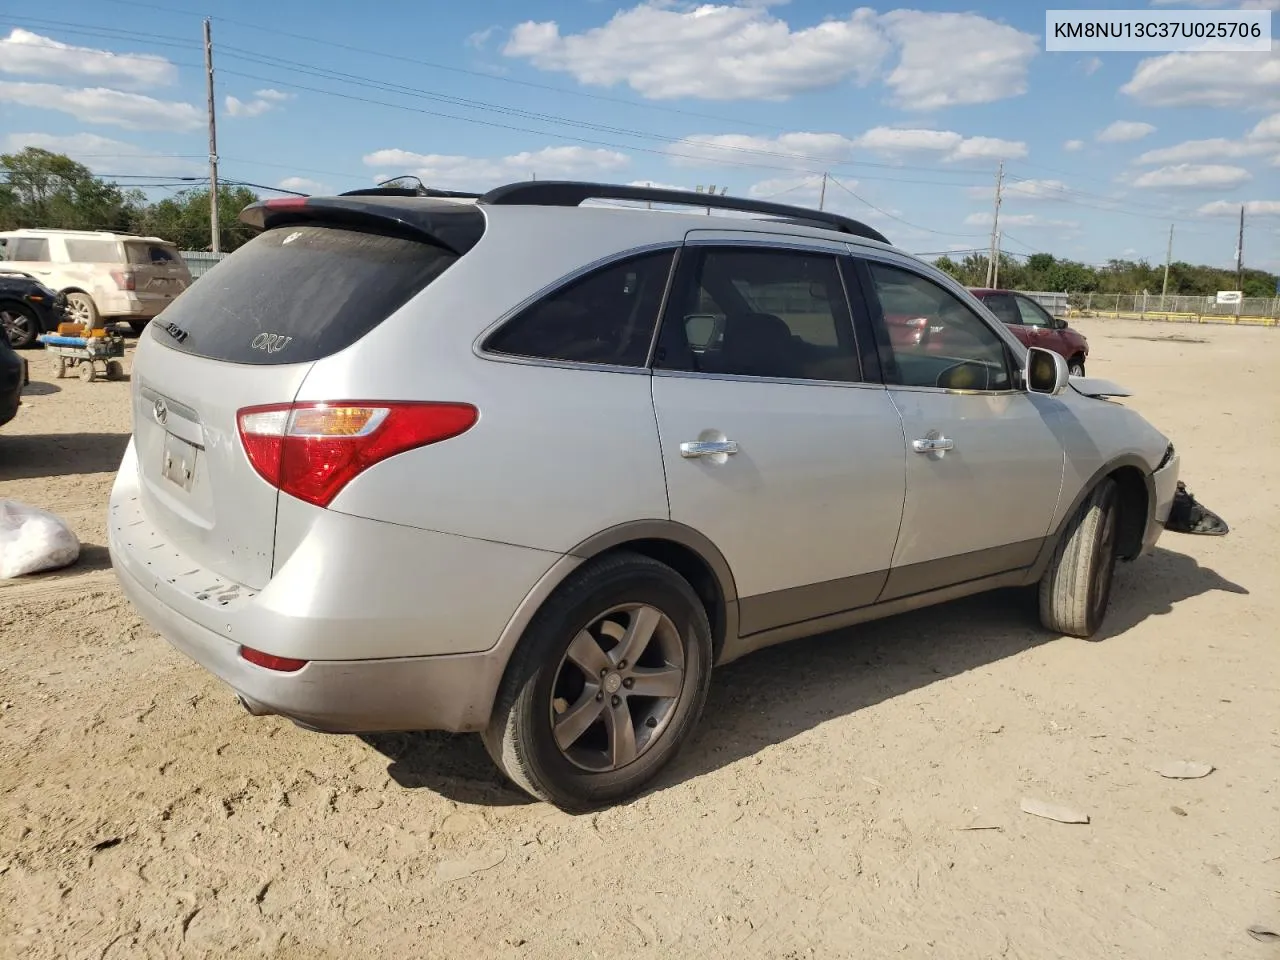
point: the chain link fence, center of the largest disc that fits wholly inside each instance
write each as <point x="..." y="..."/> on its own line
<point x="200" y="262"/>
<point x="1264" y="310"/>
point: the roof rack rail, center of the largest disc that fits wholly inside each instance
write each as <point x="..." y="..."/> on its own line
<point x="571" y="193"/>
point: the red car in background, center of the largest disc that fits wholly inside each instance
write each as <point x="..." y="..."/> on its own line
<point x="1035" y="327"/>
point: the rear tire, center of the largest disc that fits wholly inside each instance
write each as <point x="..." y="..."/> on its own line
<point x="1076" y="589"/>
<point x="82" y="309"/>
<point x="1075" y="367"/>
<point x="115" y="370"/>
<point x="571" y="725"/>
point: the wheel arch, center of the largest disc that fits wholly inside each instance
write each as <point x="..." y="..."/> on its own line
<point x="1137" y="507"/>
<point x="690" y="554"/>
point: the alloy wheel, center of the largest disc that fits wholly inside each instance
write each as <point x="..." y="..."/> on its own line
<point x="617" y="687"/>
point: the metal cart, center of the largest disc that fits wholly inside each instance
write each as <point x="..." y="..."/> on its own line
<point x="87" y="353"/>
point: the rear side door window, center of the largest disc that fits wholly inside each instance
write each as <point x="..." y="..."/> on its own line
<point x="93" y="251"/>
<point x="755" y="312"/>
<point x="606" y="317"/>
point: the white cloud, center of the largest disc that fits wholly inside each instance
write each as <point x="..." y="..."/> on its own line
<point x="101" y="154"/>
<point x="303" y="185"/>
<point x="478" y="39"/>
<point x="804" y="150"/>
<point x="1263" y="138"/>
<point x="665" y="49"/>
<point x="262" y="102"/>
<point x="1245" y="81"/>
<point x="1252" y="208"/>
<point x="1124" y="131"/>
<point x="1025" y="190"/>
<point x="449" y="171"/>
<point x="951" y="145"/>
<point x="1091" y="66"/>
<point x="1193" y="176"/>
<point x="30" y="54"/>
<point x="948" y="59"/>
<point x="800" y="150"/>
<point x="132" y="111"/>
<point x="1071" y="146"/>
<point x="1018" y="220"/>
<point x="717" y="52"/>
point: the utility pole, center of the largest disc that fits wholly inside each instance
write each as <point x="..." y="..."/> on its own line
<point x="215" y="243"/>
<point x="1240" y="252"/>
<point x="995" y="275"/>
<point x="1168" y="256"/>
<point x="1240" y="263"/>
<point x="822" y="197"/>
<point x="995" y="227"/>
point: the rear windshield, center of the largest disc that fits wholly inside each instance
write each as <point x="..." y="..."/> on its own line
<point x="296" y="294"/>
<point x="143" y="254"/>
<point x="92" y="251"/>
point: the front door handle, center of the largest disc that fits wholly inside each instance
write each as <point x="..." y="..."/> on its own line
<point x="932" y="444"/>
<point x="708" y="448"/>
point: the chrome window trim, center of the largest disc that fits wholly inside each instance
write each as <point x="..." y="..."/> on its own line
<point x="560" y="283"/>
<point x="743" y="378"/>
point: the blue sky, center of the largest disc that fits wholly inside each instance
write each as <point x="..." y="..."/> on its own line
<point x="908" y="108"/>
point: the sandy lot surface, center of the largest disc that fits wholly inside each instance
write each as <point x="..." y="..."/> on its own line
<point x="826" y="808"/>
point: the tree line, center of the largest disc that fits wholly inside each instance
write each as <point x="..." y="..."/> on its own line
<point x="44" y="189"/>
<point x="1044" y="271"/>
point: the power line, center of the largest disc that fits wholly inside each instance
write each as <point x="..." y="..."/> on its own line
<point x="891" y="216"/>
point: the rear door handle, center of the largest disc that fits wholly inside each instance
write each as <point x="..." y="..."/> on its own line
<point x="707" y="448"/>
<point x="932" y="444"/>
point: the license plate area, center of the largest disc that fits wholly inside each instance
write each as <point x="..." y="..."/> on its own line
<point x="178" y="464"/>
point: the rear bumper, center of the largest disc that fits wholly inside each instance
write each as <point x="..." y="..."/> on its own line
<point x="453" y="693"/>
<point x="401" y="629"/>
<point x="122" y="305"/>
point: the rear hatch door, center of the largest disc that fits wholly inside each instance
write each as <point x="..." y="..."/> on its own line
<point x="246" y="335"/>
<point x="159" y="272"/>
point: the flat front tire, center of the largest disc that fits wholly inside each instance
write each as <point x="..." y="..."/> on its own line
<point x="605" y="685"/>
<point x="1075" y="590"/>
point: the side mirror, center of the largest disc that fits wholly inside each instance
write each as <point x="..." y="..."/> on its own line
<point x="1060" y="323"/>
<point x="1046" y="372"/>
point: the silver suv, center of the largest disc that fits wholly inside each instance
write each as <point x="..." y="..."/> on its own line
<point x="526" y="467"/>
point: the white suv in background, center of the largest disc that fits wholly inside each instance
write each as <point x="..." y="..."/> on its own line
<point x="107" y="277"/>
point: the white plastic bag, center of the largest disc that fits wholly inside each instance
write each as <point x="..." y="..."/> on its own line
<point x="32" y="539"/>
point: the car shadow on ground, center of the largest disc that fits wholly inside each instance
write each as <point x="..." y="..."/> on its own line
<point x="783" y="691"/>
<point x="32" y="456"/>
<point x="38" y="388"/>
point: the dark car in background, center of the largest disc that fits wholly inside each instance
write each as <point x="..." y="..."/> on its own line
<point x="14" y="375"/>
<point x="28" y="308"/>
<point x="1035" y="326"/>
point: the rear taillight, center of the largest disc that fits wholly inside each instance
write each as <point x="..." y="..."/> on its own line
<point x="124" y="279"/>
<point x="313" y="450"/>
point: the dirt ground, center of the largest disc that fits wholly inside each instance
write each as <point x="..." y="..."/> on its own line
<point x="828" y="807"/>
